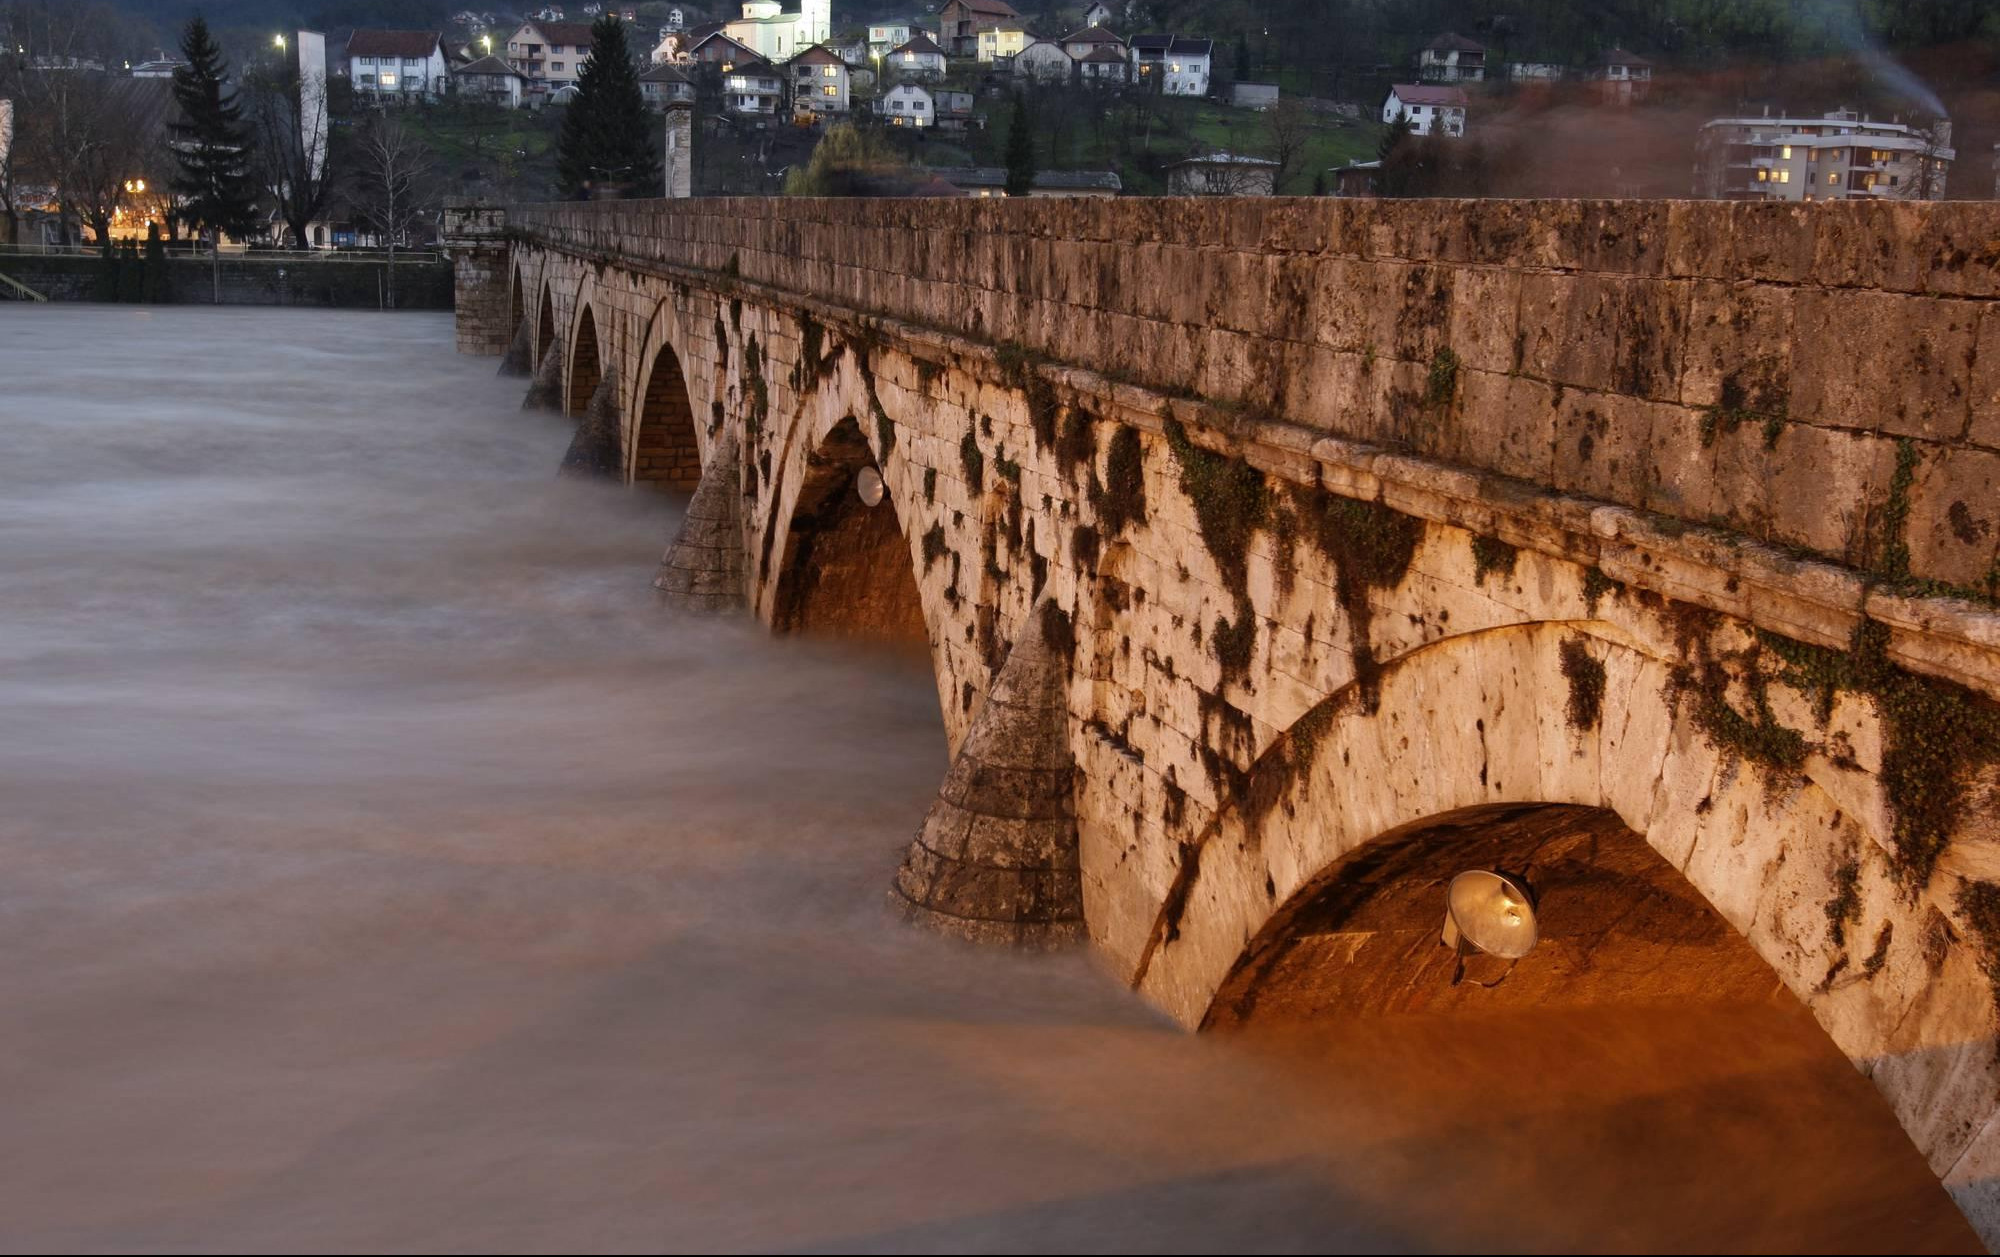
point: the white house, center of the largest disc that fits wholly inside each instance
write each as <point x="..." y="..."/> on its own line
<point x="1045" y="63"/>
<point x="550" y="54"/>
<point x="1004" y="42"/>
<point x="1222" y="174"/>
<point x="491" y="80"/>
<point x="1625" y="76"/>
<point x="753" y="89"/>
<point x="1097" y="14"/>
<point x="886" y="35"/>
<point x="1452" y="58"/>
<point x="662" y="85"/>
<point x="1439" y="109"/>
<point x="1178" y="65"/>
<point x="766" y="29"/>
<point x="907" y="105"/>
<point x="718" y="49"/>
<point x="1080" y="44"/>
<point x="1104" y="64"/>
<point x="920" y="58"/>
<point x="396" y="65"/>
<point x="820" y="82"/>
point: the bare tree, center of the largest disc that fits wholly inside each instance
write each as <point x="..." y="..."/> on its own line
<point x="90" y="138"/>
<point x="287" y="113"/>
<point x="1287" y="130"/>
<point x="393" y="188"/>
<point x="1926" y="182"/>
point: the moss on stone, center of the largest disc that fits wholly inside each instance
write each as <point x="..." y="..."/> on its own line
<point x="972" y="462"/>
<point x="1007" y="467"/>
<point x="1084" y="547"/>
<point x="933" y="545"/>
<point x="1490" y="555"/>
<point x="1892" y="560"/>
<point x="1585" y="674"/>
<point x="721" y="344"/>
<point x="1936" y="734"/>
<point x="1120" y="499"/>
<point x="1231" y="503"/>
<point x="1077" y="444"/>
<point x="1370" y="546"/>
<point x="1596" y="584"/>
<point x="1441" y="382"/>
<point x="930" y="485"/>
<point x="1844" y="908"/>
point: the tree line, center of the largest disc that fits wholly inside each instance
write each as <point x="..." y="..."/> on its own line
<point x="253" y="156"/>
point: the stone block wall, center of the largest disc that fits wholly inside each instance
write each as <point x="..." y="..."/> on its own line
<point x="1822" y="377"/>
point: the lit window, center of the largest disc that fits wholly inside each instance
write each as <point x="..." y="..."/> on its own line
<point x="1784" y="176"/>
<point x="831" y="90"/>
<point x="1763" y="176"/>
<point x="1786" y="152"/>
<point x="830" y="71"/>
<point x="387" y="80"/>
<point x="1833" y="176"/>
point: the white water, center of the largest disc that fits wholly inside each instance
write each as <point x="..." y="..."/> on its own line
<point x="380" y="869"/>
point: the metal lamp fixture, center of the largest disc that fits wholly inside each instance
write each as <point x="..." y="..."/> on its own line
<point x="868" y="486"/>
<point x="1489" y="912"/>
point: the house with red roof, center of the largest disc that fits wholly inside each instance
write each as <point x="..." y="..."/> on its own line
<point x="387" y="66"/>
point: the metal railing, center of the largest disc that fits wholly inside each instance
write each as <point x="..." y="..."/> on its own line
<point x="415" y="257"/>
<point x="11" y="287"/>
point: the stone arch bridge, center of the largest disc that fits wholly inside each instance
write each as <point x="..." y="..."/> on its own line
<point x="1275" y="559"/>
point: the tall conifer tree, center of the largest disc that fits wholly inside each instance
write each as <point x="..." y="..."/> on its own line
<point x="211" y="144"/>
<point x="607" y="135"/>
<point x="1020" y="150"/>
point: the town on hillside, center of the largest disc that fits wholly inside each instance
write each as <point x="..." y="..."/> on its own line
<point x="353" y="137"/>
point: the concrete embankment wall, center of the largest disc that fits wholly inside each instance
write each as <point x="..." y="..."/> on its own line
<point x="245" y="281"/>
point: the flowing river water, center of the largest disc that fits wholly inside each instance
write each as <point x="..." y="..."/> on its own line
<point x="379" y="868"/>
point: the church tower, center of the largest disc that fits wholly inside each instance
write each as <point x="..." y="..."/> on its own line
<point x="815" y="22"/>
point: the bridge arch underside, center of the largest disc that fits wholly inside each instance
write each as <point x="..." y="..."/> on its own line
<point x="585" y="361"/>
<point x="1679" y="886"/>
<point x="846" y="571"/>
<point x="1643" y="1032"/>
<point x="666" y="445"/>
<point x="545" y="323"/>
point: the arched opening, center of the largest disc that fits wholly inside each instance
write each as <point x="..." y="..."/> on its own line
<point x="666" y="449"/>
<point x="1642" y="1073"/>
<point x="847" y="570"/>
<point x="517" y="305"/>
<point x="585" y="371"/>
<point x="545" y="326"/>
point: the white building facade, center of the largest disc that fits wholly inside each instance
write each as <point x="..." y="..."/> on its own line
<point x="775" y="35"/>
<point x="1840" y="156"/>
<point x="396" y="65"/>
<point x="1430" y="110"/>
<point x="907" y="105"/>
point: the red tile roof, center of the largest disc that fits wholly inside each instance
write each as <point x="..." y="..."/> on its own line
<point x="413" y="44"/>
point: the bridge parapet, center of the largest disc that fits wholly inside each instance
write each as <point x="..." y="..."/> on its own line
<point x="1806" y="375"/>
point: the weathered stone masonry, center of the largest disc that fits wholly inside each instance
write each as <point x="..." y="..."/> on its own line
<point x="1361" y="514"/>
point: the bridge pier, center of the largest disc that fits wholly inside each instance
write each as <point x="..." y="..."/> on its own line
<point x="996" y="859"/>
<point x="703" y="569"/>
<point x="476" y="238"/>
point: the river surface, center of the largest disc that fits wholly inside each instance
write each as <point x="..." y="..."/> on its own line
<point x="380" y="869"/>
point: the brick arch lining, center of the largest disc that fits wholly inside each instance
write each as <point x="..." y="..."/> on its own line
<point x="586" y="364"/>
<point x="667" y="445"/>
